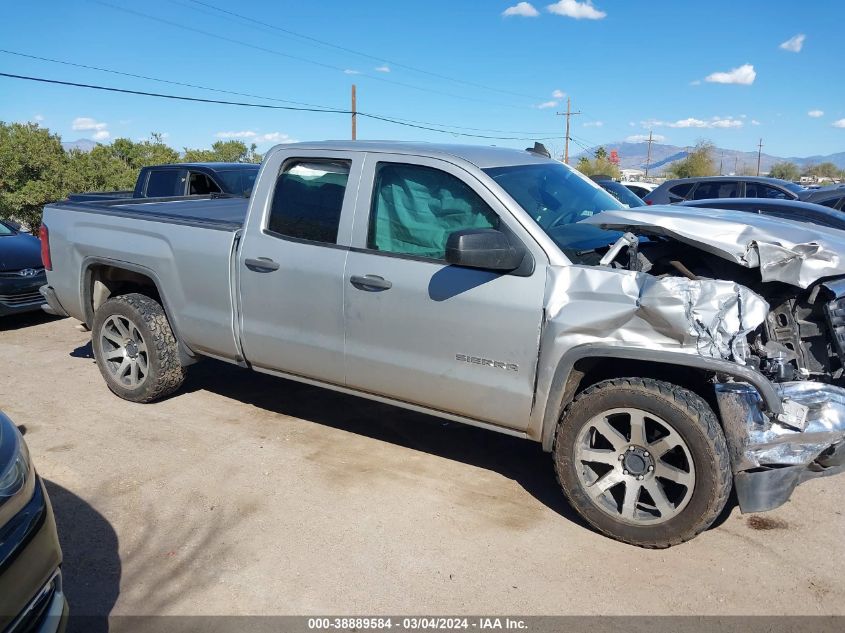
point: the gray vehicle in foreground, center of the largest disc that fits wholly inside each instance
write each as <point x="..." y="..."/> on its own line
<point x="661" y="355"/>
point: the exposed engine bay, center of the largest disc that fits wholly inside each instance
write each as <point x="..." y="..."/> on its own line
<point x="803" y="336"/>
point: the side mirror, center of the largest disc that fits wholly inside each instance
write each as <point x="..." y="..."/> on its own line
<point x="483" y="248"/>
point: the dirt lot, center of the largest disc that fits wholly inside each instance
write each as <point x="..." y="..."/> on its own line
<point x="248" y="494"/>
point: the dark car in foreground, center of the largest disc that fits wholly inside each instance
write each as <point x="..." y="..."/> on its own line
<point x="184" y="179"/>
<point x="21" y="271"/>
<point x="787" y="209"/>
<point x="31" y="596"/>
<point x="707" y="187"/>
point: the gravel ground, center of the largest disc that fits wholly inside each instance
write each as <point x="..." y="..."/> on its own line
<point x="245" y="494"/>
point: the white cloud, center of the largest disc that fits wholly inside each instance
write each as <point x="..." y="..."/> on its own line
<point x="691" y="122"/>
<point x="594" y="124"/>
<point x="37" y="118"/>
<point x="256" y="137"/>
<point x="577" y="10"/>
<point x="816" y="114"/>
<point x="350" y="71"/>
<point x="558" y="94"/>
<point x="99" y="129"/>
<point x="743" y="75"/>
<point x="839" y="123"/>
<point x="641" y="138"/>
<point x="794" y="44"/>
<point x="547" y="104"/>
<point x="383" y="69"/>
<point x="86" y="123"/>
<point x="755" y="122"/>
<point x="522" y="9"/>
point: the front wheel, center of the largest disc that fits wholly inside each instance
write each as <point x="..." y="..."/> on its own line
<point x="643" y="461"/>
<point x="135" y="348"/>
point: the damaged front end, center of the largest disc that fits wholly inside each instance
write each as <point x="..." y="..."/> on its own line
<point x="758" y="292"/>
<point x="771" y="455"/>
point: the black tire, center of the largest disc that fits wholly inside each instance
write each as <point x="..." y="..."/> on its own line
<point x="164" y="373"/>
<point x="691" y="418"/>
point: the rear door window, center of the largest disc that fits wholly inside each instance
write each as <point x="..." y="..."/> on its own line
<point x="680" y="192"/>
<point x="716" y="189"/>
<point x="201" y="184"/>
<point x="308" y="200"/>
<point x="166" y="182"/>
<point x="759" y="190"/>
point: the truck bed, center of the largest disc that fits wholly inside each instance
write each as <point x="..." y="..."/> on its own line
<point x="214" y="212"/>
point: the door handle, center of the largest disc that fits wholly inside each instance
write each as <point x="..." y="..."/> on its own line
<point x="261" y="265"/>
<point x="370" y="282"/>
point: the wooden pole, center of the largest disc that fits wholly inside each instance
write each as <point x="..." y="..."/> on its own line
<point x="354" y="114"/>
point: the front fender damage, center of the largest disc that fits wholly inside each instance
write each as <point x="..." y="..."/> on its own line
<point x="770" y="454"/>
<point x="704" y="317"/>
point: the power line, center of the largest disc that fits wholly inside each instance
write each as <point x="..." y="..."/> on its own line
<point x="148" y="78"/>
<point x="295" y="57"/>
<point x="355" y="52"/>
<point x="267" y="106"/>
<point x="246" y="94"/>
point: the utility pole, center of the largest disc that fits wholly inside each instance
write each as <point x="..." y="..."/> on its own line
<point x="736" y="161"/>
<point x="354" y="114"/>
<point x="569" y="113"/>
<point x="648" y="155"/>
<point x="759" y="154"/>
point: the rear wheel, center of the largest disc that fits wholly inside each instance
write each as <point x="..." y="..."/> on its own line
<point x="643" y="461"/>
<point x="135" y="348"/>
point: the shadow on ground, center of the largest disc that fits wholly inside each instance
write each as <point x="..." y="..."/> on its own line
<point x="520" y="460"/>
<point x="25" y="320"/>
<point x="91" y="569"/>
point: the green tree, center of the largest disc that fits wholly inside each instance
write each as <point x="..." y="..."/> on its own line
<point x="224" y="151"/>
<point x="598" y="166"/>
<point x="785" y="170"/>
<point x="32" y="172"/>
<point x="698" y="162"/>
<point x="824" y="170"/>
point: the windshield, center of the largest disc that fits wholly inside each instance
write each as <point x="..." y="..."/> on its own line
<point x="557" y="197"/>
<point x="621" y="193"/>
<point x="5" y="230"/>
<point x="239" y="181"/>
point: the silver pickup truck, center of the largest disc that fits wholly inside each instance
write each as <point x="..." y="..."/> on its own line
<point x="662" y="354"/>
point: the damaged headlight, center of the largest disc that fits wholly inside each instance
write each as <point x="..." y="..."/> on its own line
<point x="14" y="460"/>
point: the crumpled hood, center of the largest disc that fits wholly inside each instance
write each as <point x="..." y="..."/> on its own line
<point x="795" y="253"/>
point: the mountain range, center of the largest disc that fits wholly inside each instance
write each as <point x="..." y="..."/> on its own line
<point x="633" y="156"/>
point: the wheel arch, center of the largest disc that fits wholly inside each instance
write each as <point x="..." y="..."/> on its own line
<point x="588" y="364"/>
<point x="103" y="278"/>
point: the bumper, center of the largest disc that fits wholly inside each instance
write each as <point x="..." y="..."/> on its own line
<point x="771" y="456"/>
<point x="31" y="595"/>
<point x="53" y="306"/>
<point x="20" y="295"/>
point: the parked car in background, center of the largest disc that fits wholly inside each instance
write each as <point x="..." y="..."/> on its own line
<point x="640" y="189"/>
<point x="620" y="192"/>
<point x="184" y="179"/>
<point x="680" y="189"/>
<point x="21" y="270"/>
<point x="31" y="596"/>
<point x="831" y="197"/>
<point x="787" y="209"/>
<point x="460" y="281"/>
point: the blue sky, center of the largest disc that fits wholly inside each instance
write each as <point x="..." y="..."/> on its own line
<point x="731" y="72"/>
